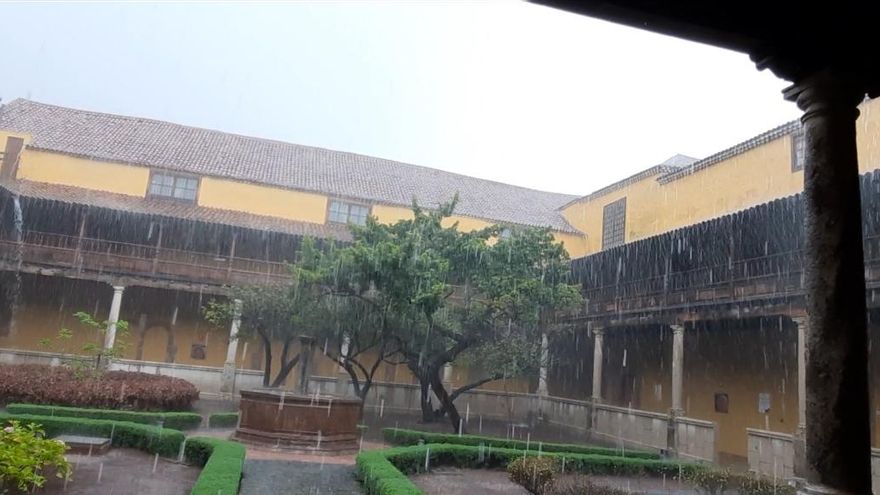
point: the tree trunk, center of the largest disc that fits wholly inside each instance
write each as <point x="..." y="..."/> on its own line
<point x="285" y="370"/>
<point x="267" y="367"/>
<point x="425" y="401"/>
<point x="445" y="401"/>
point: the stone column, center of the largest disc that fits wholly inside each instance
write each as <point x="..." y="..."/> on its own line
<point x="115" y="305"/>
<point x="227" y="383"/>
<point x="798" y="440"/>
<point x="342" y="377"/>
<point x="542" y="371"/>
<point x="598" y="338"/>
<point x="677" y="367"/>
<point x="838" y="432"/>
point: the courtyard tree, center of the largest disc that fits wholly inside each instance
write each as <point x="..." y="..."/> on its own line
<point x="355" y="317"/>
<point x="274" y="314"/>
<point x="453" y="293"/>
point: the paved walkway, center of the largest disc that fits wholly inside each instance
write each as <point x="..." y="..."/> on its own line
<point x="271" y="477"/>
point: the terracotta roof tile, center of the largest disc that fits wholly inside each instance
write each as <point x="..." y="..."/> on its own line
<point x="208" y="152"/>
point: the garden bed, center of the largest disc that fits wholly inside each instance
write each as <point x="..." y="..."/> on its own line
<point x="66" y="386"/>
<point x="221" y="460"/>
<point x="173" y="420"/>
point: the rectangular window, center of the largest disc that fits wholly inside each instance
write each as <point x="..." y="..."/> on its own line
<point x="797" y="151"/>
<point x="174" y="186"/>
<point x="342" y="212"/>
<point x="614" y="224"/>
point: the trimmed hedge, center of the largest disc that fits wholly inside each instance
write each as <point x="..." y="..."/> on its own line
<point x="163" y="441"/>
<point x="173" y="420"/>
<point x="63" y="385"/>
<point x="399" y="436"/>
<point x="223" y="420"/>
<point x="384" y="472"/>
<point x="222" y="463"/>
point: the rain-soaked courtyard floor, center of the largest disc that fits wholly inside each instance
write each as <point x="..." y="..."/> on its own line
<point x="123" y="472"/>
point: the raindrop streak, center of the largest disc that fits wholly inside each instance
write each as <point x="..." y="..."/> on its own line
<point x="182" y="449"/>
<point x="101" y="471"/>
<point x="155" y="463"/>
<point x="427" y="458"/>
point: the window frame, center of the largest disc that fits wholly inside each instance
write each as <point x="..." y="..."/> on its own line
<point x="348" y="216"/>
<point x="611" y="243"/>
<point x="796" y="136"/>
<point x="176" y="176"/>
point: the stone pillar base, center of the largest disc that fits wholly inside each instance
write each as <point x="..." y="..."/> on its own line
<point x="227" y="379"/>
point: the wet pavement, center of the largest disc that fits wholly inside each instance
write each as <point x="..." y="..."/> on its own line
<point x="271" y="477"/>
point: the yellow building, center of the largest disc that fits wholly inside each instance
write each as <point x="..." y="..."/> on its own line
<point x="168" y="214"/>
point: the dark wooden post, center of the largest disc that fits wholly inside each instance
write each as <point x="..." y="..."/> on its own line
<point x="77" y="253"/>
<point x="838" y="434"/>
<point x="158" y="248"/>
<point x="231" y="256"/>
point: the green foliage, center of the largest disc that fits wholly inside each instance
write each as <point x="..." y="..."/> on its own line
<point x="710" y="482"/>
<point x="222" y="461"/>
<point x="380" y="477"/>
<point x="163" y="441"/>
<point x="398" y="436"/>
<point x="223" y="420"/>
<point x="25" y="452"/>
<point x="535" y="474"/>
<point x="94" y="352"/>
<point x="173" y="420"/>
<point x="581" y="485"/>
<point x="384" y="471"/>
<point x="752" y="484"/>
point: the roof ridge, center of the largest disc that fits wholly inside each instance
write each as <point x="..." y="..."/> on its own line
<point x="278" y="141"/>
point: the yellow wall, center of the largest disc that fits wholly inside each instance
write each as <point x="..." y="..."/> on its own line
<point x="262" y="200"/>
<point x="756" y="176"/>
<point x="54" y="168"/>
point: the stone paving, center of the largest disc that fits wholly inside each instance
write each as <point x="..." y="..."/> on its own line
<point x="271" y="477"/>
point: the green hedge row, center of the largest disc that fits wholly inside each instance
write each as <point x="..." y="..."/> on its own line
<point x="383" y="472"/>
<point x="163" y="441"/>
<point x="173" y="420"/>
<point x="222" y="461"/>
<point x="399" y="436"/>
<point x="223" y="420"/>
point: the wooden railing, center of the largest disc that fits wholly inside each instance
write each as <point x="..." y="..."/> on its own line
<point x="120" y="258"/>
<point x="779" y="275"/>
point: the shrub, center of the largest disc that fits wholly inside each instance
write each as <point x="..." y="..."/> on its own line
<point x="60" y="385"/>
<point x="223" y="420"/>
<point x="581" y="485"/>
<point x="155" y="440"/>
<point x="751" y="484"/>
<point x="25" y="452"/>
<point x="173" y="420"/>
<point x="384" y="471"/>
<point x="222" y="461"/>
<point x="535" y="474"/>
<point x="398" y="436"/>
<point x="710" y="482"/>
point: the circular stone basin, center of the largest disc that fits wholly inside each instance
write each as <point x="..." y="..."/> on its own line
<point x="312" y="424"/>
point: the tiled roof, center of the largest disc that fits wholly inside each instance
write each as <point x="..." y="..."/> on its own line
<point x="742" y="147"/>
<point x="671" y="165"/>
<point x="207" y="152"/>
<point x="174" y="209"/>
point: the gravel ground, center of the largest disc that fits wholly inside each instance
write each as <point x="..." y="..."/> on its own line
<point x="271" y="477"/>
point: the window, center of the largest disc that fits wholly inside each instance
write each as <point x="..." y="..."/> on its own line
<point x="341" y="212"/>
<point x="174" y="186"/>
<point x="797" y="151"/>
<point x="613" y="223"/>
<point x="722" y="403"/>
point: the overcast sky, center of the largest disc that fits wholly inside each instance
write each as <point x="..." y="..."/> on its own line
<point x="507" y="91"/>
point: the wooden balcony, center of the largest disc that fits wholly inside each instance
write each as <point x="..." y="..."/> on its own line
<point x="87" y="258"/>
<point x="762" y="281"/>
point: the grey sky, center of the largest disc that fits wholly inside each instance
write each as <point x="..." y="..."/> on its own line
<point x="507" y="91"/>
